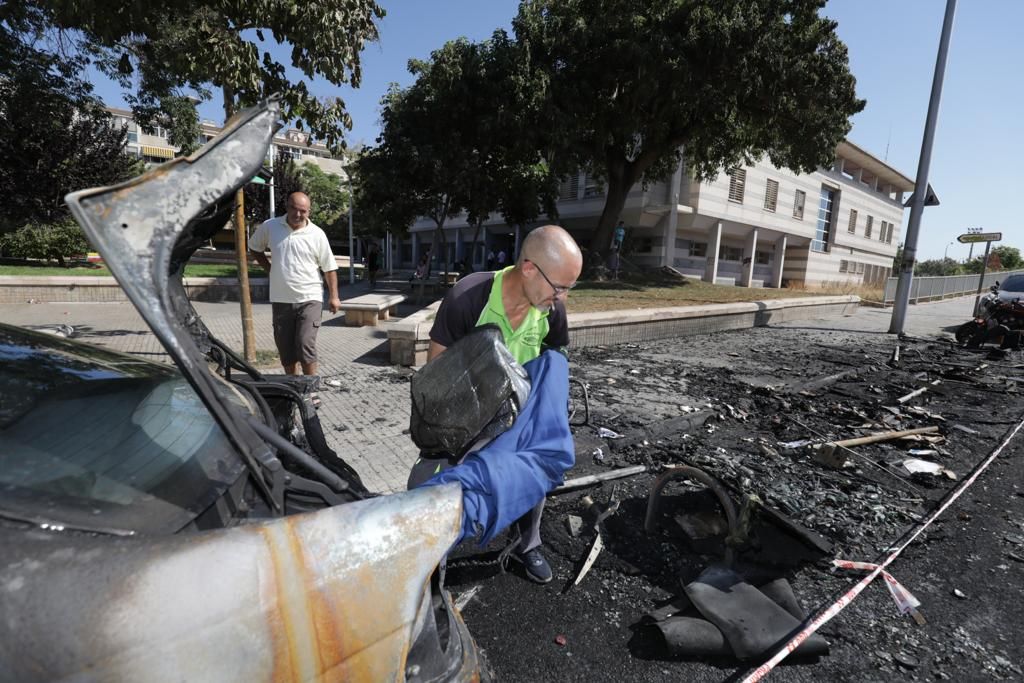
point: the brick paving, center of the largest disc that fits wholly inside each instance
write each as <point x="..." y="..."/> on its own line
<point x="366" y="417"/>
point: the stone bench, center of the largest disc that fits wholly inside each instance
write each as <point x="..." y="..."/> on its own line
<point x="369" y="308"/>
<point x="409" y="338"/>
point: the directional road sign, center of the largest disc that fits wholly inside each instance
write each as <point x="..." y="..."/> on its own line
<point x="967" y="238"/>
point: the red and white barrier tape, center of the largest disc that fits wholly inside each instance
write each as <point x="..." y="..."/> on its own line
<point x="839" y="605"/>
<point x="906" y="603"/>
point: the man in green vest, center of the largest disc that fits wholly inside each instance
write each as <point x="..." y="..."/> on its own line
<point x="527" y="302"/>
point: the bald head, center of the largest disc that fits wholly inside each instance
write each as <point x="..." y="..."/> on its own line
<point x="298" y="206"/>
<point x="551" y="246"/>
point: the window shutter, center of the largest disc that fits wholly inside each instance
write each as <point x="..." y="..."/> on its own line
<point x="737" y="182"/>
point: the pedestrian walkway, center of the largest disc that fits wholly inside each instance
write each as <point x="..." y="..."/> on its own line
<point x="366" y="416"/>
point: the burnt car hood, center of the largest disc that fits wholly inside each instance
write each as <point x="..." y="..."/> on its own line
<point x="148" y="227"/>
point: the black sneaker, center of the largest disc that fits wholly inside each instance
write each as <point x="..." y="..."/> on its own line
<point x="537" y="568"/>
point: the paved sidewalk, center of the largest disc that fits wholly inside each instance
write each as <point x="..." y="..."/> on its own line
<point x="365" y="419"/>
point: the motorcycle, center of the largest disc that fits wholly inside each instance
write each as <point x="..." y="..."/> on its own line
<point x="997" y="322"/>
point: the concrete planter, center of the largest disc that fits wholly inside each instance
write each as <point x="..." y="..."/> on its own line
<point x="410" y="338"/>
<point x="20" y="290"/>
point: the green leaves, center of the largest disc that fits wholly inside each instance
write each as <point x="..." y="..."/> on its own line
<point x="192" y="43"/>
<point x="732" y="80"/>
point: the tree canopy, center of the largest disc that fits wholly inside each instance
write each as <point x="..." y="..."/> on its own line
<point x="627" y="86"/>
<point x="460" y="138"/>
<point x="164" y="47"/>
<point x="54" y="136"/>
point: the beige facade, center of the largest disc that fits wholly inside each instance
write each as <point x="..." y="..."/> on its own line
<point x="755" y="226"/>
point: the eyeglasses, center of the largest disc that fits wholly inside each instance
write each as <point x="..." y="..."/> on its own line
<point x="559" y="289"/>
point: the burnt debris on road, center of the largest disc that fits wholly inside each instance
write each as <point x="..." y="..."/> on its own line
<point x="827" y="448"/>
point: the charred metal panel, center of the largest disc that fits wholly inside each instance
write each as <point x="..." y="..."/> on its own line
<point x="330" y="595"/>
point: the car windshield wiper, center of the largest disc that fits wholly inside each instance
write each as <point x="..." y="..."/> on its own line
<point x="61" y="526"/>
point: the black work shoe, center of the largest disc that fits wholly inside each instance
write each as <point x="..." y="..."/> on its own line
<point x="537" y="568"/>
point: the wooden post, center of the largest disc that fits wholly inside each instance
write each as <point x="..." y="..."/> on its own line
<point x="244" y="299"/>
<point x="241" y="253"/>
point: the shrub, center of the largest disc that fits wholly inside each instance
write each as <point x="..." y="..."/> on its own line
<point x="46" y="242"/>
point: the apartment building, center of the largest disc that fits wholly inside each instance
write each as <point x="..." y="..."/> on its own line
<point x="152" y="146"/>
<point x="752" y="226"/>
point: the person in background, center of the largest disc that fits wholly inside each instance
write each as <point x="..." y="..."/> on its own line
<point x="299" y="253"/>
<point x="619" y="236"/>
<point x="372" y="263"/>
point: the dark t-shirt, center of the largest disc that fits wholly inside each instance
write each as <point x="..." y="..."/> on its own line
<point x="462" y="306"/>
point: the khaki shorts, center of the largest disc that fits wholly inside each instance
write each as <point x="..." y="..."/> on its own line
<point x="295" y="328"/>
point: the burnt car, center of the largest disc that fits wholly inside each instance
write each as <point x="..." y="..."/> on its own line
<point x="189" y="521"/>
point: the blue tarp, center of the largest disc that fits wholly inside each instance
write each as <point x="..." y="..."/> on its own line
<point x="509" y="476"/>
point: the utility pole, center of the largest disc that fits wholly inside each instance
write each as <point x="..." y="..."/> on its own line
<point x="351" y="238"/>
<point x="271" y="183"/>
<point x="899" y="312"/>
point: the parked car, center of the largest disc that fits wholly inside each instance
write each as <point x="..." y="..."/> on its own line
<point x="189" y="522"/>
<point x="1011" y="289"/>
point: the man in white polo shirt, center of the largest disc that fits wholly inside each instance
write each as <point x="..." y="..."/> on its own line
<point x="299" y="251"/>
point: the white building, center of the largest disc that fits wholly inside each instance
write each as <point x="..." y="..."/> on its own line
<point x="755" y="226"/>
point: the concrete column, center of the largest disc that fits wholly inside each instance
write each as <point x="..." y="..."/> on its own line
<point x="415" y="250"/>
<point x="672" y="223"/>
<point x="779" y="262"/>
<point x="749" y="254"/>
<point x="714" y="245"/>
<point x="459" y="244"/>
<point x="515" y="252"/>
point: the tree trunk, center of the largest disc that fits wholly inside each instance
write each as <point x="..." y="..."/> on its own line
<point x="619" y="183"/>
<point x="241" y="254"/>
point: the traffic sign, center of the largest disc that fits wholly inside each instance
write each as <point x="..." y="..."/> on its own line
<point x="967" y="238"/>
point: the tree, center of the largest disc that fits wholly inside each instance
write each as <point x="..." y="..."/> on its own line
<point x="936" y="267"/>
<point x="197" y="43"/>
<point x="460" y="139"/>
<point x="329" y="198"/>
<point x="54" y="136"/>
<point x="629" y="85"/>
<point x="1009" y="257"/>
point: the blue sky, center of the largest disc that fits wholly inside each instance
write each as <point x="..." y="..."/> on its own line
<point x="892" y="46"/>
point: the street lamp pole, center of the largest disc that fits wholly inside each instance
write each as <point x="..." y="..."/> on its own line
<point x="899" y="311"/>
<point x="351" y="238"/>
<point x="945" y="254"/>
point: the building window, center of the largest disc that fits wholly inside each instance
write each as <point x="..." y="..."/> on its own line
<point x="570" y="187"/>
<point x="799" y="199"/>
<point x="762" y="258"/>
<point x="771" y="195"/>
<point x="592" y="187"/>
<point x="885" y="234"/>
<point x="843" y="266"/>
<point x="737" y="181"/>
<point x="823" y="231"/>
<point x="860" y="268"/>
<point x="868" y="226"/>
<point x="888" y="236"/>
<point x="852" y="227"/>
<point x="698" y="249"/>
<point x="730" y="254"/>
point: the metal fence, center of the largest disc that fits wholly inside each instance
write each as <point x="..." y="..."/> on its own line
<point x="925" y="288"/>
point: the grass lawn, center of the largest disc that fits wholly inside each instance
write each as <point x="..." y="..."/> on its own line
<point x="92" y="269"/>
<point x="635" y="290"/>
<point x="654" y="291"/>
